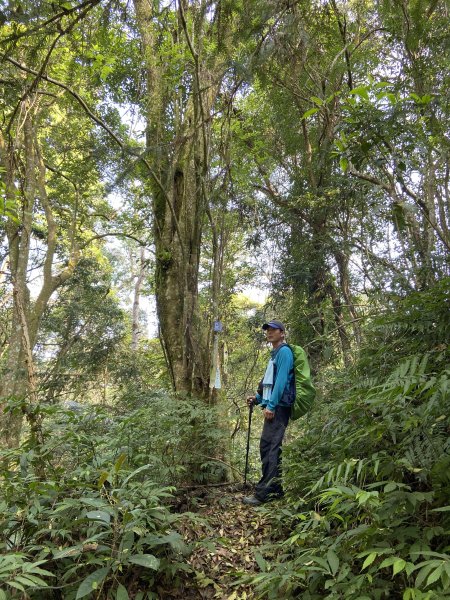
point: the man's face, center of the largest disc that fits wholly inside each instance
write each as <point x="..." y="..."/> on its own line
<point x="274" y="336"/>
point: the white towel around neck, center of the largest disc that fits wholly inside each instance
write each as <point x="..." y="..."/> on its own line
<point x="268" y="381"/>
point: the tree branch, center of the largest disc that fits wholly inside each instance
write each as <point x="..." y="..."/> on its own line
<point x="64" y="13"/>
<point x="112" y="234"/>
<point x="104" y="126"/>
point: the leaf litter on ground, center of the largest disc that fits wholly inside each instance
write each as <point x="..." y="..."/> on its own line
<point x="225" y="537"/>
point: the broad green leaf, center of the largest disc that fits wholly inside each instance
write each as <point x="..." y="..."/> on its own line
<point x="317" y="100"/>
<point x="145" y="560"/>
<point x="121" y="593"/>
<point x="434" y="576"/>
<point x="398" y="566"/>
<point x="99" y="515"/>
<point x="343" y="163"/>
<point x="369" y="560"/>
<point x="309" y="113"/>
<point x="16" y="585"/>
<point x="333" y="561"/>
<point x="91" y="582"/>
<point x="95" y="502"/>
<point x="383" y="84"/>
<point x="387" y="562"/>
<point x="361" y="91"/>
<point x="423" y="573"/>
<point x="319" y="560"/>
<point x="390" y="487"/>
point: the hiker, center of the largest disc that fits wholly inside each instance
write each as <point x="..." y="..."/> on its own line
<point x="275" y="394"/>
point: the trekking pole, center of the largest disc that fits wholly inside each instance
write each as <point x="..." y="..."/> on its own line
<point x="248" y="442"/>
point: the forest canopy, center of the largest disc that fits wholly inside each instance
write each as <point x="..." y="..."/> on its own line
<point x="172" y="176"/>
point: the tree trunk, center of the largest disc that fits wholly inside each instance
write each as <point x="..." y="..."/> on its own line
<point x="342" y="261"/>
<point x="135" y="329"/>
<point x="177" y="120"/>
<point x="18" y="383"/>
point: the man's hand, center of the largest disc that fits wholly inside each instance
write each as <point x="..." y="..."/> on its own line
<point x="251" y="400"/>
<point x="268" y="414"/>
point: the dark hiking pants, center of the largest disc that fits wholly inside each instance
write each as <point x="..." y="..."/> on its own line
<point x="270" y="450"/>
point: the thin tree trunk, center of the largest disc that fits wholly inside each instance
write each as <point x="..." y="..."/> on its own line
<point x="18" y="383"/>
<point x="344" y="283"/>
<point x="135" y="330"/>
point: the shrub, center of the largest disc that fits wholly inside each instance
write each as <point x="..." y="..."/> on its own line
<point x="368" y="481"/>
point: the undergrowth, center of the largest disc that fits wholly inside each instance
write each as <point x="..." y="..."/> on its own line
<point x="90" y="510"/>
<point x="367" y="512"/>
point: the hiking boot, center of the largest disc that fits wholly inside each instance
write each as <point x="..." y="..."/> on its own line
<point x="251" y="501"/>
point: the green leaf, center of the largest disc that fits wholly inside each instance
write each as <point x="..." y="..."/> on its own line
<point x="392" y="98"/>
<point x="309" y="113"/>
<point x="387" y="562"/>
<point x="121" y="593"/>
<point x="99" y="515"/>
<point x="426" y="99"/>
<point x="3" y="595"/>
<point x="95" y="502"/>
<point x="317" y="100"/>
<point x="369" y="560"/>
<point x="333" y="561"/>
<point x="421" y="576"/>
<point x="31" y="581"/>
<point x="145" y="560"/>
<point x="390" y="487"/>
<point x="343" y="163"/>
<point x="434" y="576"/>
<point x="71" y="551"/>
<point x="91" y="582"/>
<point x="361" y="91"/>
<point x="260" y="561"/>
<point x="119" y="462"/>
<point x="398" y="566"/>
<point x="383" y="84"/>
<point x="16" y="585"/>
<point x="135" y="472"/>
<point x="103" y="477"/>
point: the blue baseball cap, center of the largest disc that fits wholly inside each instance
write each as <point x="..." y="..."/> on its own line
<point x="275" y="325"/>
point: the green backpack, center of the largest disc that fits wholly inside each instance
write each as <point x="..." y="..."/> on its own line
<point x="305" y="392"/>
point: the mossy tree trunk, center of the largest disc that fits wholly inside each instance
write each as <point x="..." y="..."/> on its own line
<point x="183" y="82"/>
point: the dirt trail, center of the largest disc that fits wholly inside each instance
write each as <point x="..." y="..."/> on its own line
<point x="225" y="534"/>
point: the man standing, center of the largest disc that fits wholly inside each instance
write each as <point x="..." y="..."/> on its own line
<point x="275" y="397"/>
